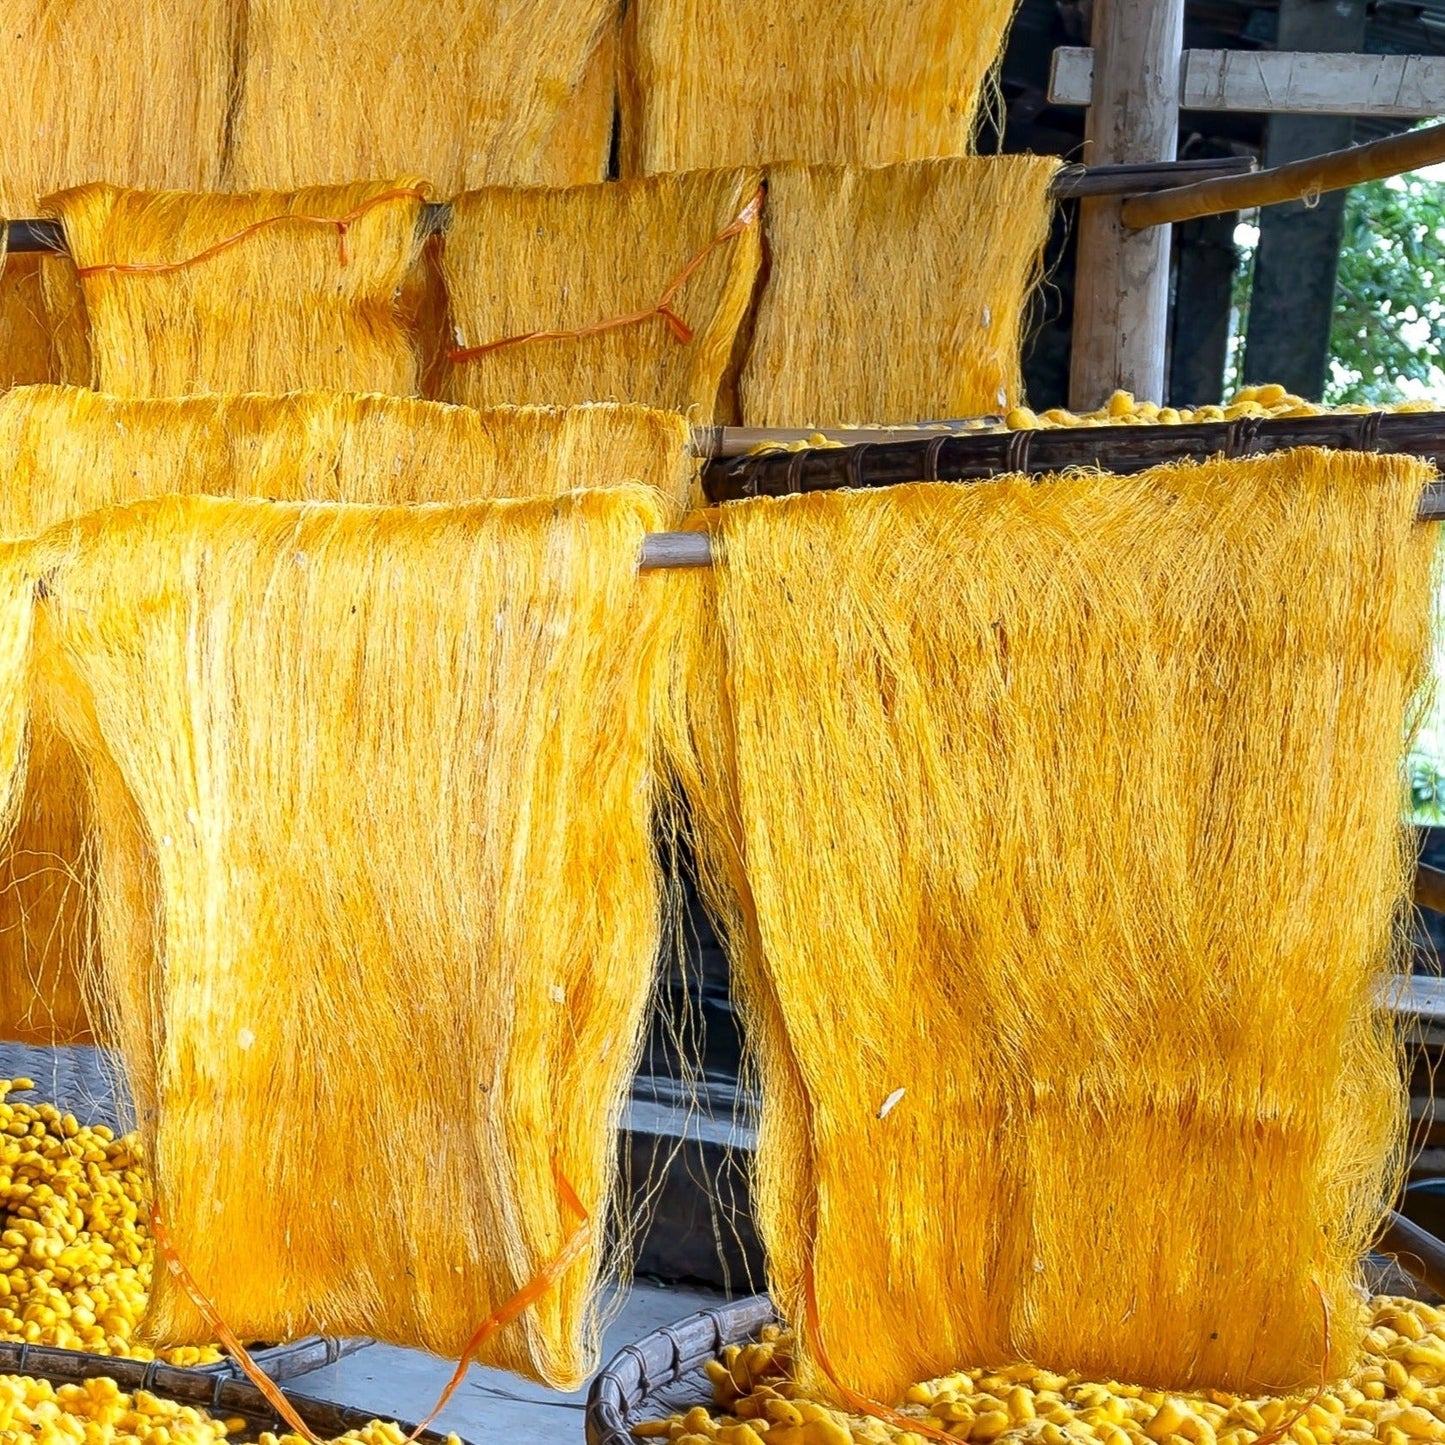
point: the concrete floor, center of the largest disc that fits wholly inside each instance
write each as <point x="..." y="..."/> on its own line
<point x="490" y="1407"/>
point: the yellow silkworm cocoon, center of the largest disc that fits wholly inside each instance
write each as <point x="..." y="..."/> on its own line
<point x="76" y="1258"/>
<point x="42" y="1413"/>
<point x="1086" y="1409"/>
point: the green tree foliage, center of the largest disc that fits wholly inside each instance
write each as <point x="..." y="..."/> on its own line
<point x="1388" y="337"/>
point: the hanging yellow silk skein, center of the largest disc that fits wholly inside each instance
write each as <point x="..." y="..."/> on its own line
<point x="464" y="92"/>
<point x="142" y="103"/>
<point x="913" y="280"/>
<point x="631" y="291"/>
<point x="304" y="730"/>
<point x="67" y="451"/>
<point x="1058" y="1000"/>
<point x="716" y="83"/>
<point x="229" y="293"/>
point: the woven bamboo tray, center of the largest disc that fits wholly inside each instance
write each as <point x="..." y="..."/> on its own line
<point x="218" y="1394"/>
<point x="663" y="1371"/>
<point x="286" y="1362"/>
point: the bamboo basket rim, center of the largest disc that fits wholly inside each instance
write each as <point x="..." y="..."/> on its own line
<point x="220" y="1395"/>
<point x="638" y="1371"/>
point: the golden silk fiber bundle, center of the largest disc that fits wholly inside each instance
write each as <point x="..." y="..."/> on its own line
<point x="65" y="451"/>
<point x="257" y="292"/>
<point x="465" y="92"/>
<point x="1073" y="853"/>
<point x="373" y="787"/>
<point x="94" y="95"/>
<point x="896" y="294"/>
<point x="25" y="350"/>
<point x="579" y="152"/>
<point x="629" y="291"/>
<point x="142" y="102"/>
<point x="68" y="451"/>
<point x="712" y="83"/>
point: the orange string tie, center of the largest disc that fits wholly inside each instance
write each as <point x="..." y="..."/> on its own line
<point x="257" y="1376"/>
<point x="860" y="1404"/>
<point x="343" y="226"/>
<point x="1285" y="1426"/>
<point x="528" y="1295"/>
<point x="681" y="331"/>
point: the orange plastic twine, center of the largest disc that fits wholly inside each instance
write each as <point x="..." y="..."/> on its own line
<point x="861" y="1404"/>
<point x="681" y="331"/>
<point x="1285" y="1426"/>
<point x="342" y="223"/>
<point x="528" y="1295"/>
<point x="257" y="1376"/>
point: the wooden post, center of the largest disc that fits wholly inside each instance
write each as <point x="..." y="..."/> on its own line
<point x="1121" y="287"/>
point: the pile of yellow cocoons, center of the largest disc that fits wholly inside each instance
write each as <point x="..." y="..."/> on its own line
<point x="99" y="1413"/>
<point x="75" y="1255"/>
<point x="1395" y="1397"/>
<point x="1271" y="401"/>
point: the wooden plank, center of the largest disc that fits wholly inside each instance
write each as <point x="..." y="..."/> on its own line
<point x="1274" y="82"/>
<point x="1121" y="287"/>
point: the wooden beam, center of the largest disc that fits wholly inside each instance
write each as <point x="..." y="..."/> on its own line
<point x="1336" y="171"/>
<point x="1278" y="82"/>
<point x="1121" y="287"/>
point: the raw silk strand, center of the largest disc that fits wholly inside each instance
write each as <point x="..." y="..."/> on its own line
<point x="464" y="92"/>
<point x="914" y="280"/>
<point x="715" y="83"/>
<point x="993" y="649"/>
<point x="161" y="272"/>
<point x="545" y="1279"/>
<point x="529" y="1294"/>
<point x="679" y="328"/>
<point x="273" y="1393"/>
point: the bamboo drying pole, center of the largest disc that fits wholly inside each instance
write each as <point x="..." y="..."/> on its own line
<point x="979" y="455"/>
<point x="1334" y="171"/>
<point x="1073" y="182"/>
<point x="1417" y="1252"/>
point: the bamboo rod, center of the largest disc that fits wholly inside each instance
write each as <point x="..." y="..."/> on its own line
<point x="740" y="441"/>
<point x="1415" y="1250"/>
<point x="1333" y="171"/>
<point x="679" y="551"/>
<point x="977" y="456"/>
<point x="1430" y="888"/>
<point x="40" y="234"/>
